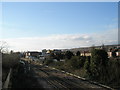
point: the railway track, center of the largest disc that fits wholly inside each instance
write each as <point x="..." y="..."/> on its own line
<point x="59" y="82"/>
<point x="53" y="82"/>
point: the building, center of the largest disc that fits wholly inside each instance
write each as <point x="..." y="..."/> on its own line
<point x="32" y="54"/>
<point x="85" y="53"/>
<point x="115" y="50"/>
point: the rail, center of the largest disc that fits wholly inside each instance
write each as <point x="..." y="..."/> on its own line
<point x="84" y="79"/>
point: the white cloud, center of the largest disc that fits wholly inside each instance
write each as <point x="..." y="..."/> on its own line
<point x="63" y="41"/>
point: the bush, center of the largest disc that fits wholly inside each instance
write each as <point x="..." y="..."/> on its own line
<point x="68" y="54"/>
<point x="47" y="62"/>
<point x="10" y="60"/>
<point x="78" y="53"/>
<point x="87" y="67"/>
<point x="113" y="77"/>
<point x="99" y="61"/>
<point x="81" y="61"/>
<point x="74" y="62"/>
<point x="103" y="70"/>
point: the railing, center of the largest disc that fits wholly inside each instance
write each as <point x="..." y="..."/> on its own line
<point x="6" y="84"/>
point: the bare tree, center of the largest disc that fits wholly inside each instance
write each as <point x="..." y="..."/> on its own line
<point x="3" y="47"/>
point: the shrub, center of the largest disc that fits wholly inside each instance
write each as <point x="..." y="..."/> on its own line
<point x="87" y="67"/>
<point x="99" y="61"/>
<point x="74" y="62"/>
<point x="68" y="54"/>
<point x="9" y="60"/>
<point x="113" y="76"/>
<point x="81" y="61"/>
<point x="78" y="53"/>
<point x="47" y="62"/>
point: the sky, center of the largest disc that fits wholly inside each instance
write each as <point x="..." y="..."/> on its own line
<point x="58" y="25"/>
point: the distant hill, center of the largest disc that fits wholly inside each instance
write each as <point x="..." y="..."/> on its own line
<point x="107" y="47"/>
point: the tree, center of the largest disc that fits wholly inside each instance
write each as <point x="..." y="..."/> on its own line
<point x="103" y="46"/>
<point x="78" y="53"/>
<point x="101" y="55"/>
<point x="87" y="66"/>
<point x="11" y="52"/>
<point x="52" y="55"/>
<point x="3" y="47"/>
<point x="99" y="61"/>
<point x="68" y="54"/>
<point x="114" y="54"/>
<point x="81" y="61"/>
<point x="114" y="50"/>
<point x="74" y="62"/>
<point x="59" y="56"/>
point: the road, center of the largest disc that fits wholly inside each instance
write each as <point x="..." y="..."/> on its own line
<point x="50" y="79"/>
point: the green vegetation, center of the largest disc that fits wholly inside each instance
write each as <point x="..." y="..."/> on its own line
<point x="9" y="61"/>
<point x="99" y="61"/>
<point x="68" y="54"/>
<point x="113" y="73"/>
<point x="47" y="62"/>
<point x="22" y="77"/>
<point x="78" y="53"/>
<point x="98" y="67"/>
<point x="57" y="56"/>
<point x="87" y="67"/>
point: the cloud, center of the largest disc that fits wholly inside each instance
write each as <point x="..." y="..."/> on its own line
<point x="63" y="41"/>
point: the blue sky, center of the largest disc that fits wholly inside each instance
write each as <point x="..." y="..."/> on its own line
<point x="38" y="19"/>
<point x="42" y="19"/>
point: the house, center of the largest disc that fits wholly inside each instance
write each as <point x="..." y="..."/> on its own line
<point x="85" y="53"/>
<point x="45" y="54"/>
<point x="32" y="54"/>
<point x="118" y="53"/>
<point x="115" y="50"/>
<point x="109" y="54"/>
